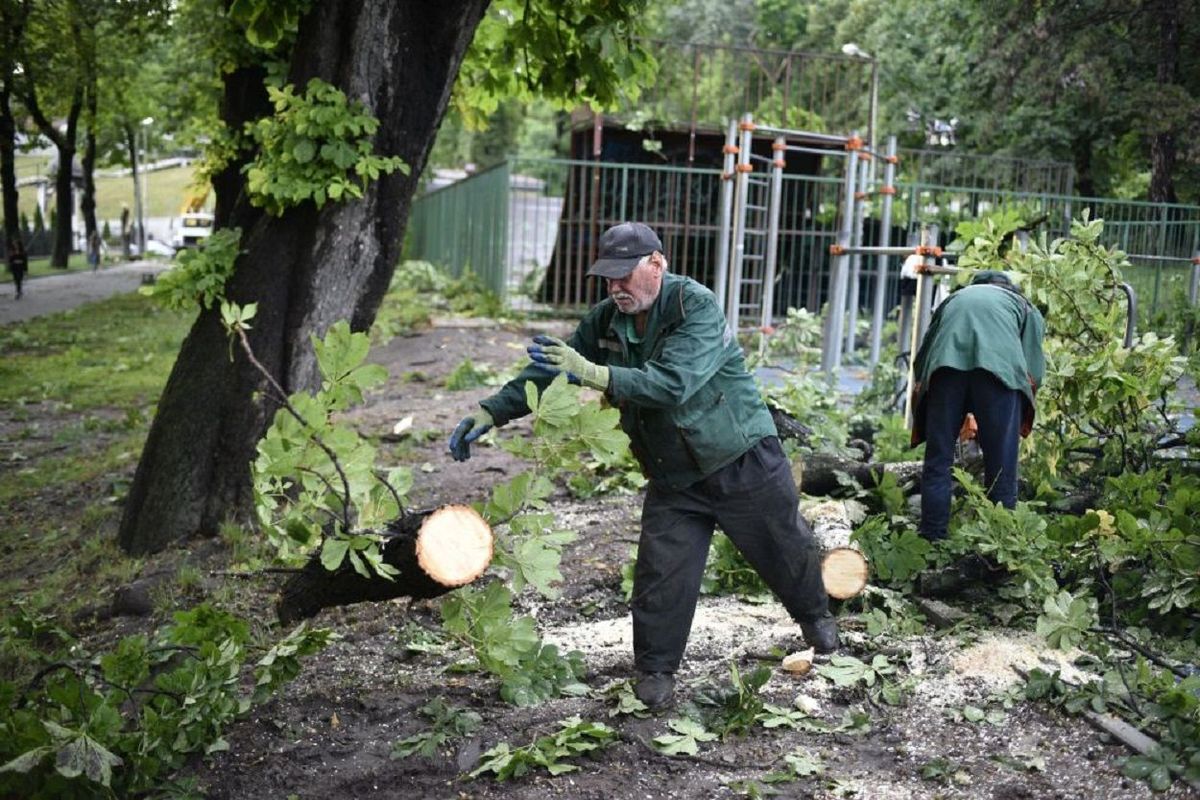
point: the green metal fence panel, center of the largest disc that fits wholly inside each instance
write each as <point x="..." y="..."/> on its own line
<point x="464" y="226"/>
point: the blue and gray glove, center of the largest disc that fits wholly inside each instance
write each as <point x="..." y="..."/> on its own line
<point x="467" y="431"/>
<point x="555" y="356"/>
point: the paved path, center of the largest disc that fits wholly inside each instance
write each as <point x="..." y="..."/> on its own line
<point x="51" y="293"/>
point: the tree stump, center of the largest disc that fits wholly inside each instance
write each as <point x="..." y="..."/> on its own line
<point x="433" y="551"/>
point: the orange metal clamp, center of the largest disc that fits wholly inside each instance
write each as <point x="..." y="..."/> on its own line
<point x="745" y="168"/>
<point x="730" y="149"/>
<point x="837" y="250"/>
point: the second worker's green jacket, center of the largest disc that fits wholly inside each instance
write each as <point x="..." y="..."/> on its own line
<point x="982" y="326"/>
<point x="687" y="402"/>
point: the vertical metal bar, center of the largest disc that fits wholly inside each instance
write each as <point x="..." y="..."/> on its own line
<point x="768" y="285"/>
<point x="925" y="284"/>
<point x="885" y="238"/>
<point x="624" y="214"/>
<point x="738" y="246"/>
<point x="593" y="225"/>
<point x="1161" y="250"/>
<point x="907" y="307"/>
<point x="860" y="212"/>
<point x="831" y="351"/>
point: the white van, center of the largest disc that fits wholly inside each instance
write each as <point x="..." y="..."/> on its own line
<point x="193" y="229"/>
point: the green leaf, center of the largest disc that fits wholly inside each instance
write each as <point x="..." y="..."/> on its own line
<point x="333" y="552"/>
<point x="29" y="759"/>
<point x="86" y="756"/>
<point x="686" y="739"/>
<point x="304" y="151"/>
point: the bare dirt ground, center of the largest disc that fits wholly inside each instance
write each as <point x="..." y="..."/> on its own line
<point x="330" y="733"/>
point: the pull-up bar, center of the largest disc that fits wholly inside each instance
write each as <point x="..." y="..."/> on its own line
<point x="847" y="143"/>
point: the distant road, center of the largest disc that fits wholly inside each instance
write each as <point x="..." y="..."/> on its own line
<point x="51" y="293"/>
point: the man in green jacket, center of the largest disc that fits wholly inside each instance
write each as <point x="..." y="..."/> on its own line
<point x="982" y="355"/>
<point x="660" y="350"/>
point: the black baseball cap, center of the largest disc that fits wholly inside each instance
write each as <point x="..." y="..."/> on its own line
<point x="622" y="247"/>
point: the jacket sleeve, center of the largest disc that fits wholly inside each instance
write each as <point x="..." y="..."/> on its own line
<point x="1031" y="344"/>
<point x="690" y="355"/>
<point x="509" y="403"/>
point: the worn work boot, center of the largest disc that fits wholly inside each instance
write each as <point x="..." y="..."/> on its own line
<point x="655" y="689"/>
<point x="821" y="633"/>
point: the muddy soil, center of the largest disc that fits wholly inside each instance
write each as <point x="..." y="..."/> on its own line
<point x="330" y="733"/>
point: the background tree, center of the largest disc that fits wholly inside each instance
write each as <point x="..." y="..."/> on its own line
<point x="309" y="264"/>
<point x="12" y="24"/>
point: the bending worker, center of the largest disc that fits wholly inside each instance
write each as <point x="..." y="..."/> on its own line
<point x="982" y="355"/>
<point x="659" y="348"/>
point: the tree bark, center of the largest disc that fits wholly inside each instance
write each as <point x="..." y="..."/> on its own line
<point x="818" y="474"/>
<point x="306" y="269"/>
<point x="87" y="205"/>
<point x="1162" y="145"/>
<point x="12" y="21"/>
<point x="8" y="173"/>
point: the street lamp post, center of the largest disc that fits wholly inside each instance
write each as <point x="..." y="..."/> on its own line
<point x="854" y="51"/>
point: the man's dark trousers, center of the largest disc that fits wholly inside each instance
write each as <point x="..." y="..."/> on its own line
<point x="952" y="395"/>
<point x="754" y="501"/>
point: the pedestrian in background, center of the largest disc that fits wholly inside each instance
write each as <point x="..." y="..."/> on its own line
<point x="93" y="250"/>
<point x="18" y="263"/>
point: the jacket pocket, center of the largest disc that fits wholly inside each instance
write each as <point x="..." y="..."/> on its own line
<point x="713" y="436"/>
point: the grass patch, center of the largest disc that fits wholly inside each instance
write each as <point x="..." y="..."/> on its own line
<point x="71" y="470"/>
<point x="114" y="353"/>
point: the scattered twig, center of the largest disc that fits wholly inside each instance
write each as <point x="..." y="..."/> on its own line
<point x="258" y="573"/>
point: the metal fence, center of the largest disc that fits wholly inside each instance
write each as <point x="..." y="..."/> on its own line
<point x="528" y="228"/>
<point x="1159" y="238"/>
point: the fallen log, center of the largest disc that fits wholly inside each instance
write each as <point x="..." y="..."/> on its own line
<point x="817" y="474"/>
<point x="844" y="568"/>
<point x="433" y="551"/>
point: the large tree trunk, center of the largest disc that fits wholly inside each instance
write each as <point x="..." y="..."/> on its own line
<point x="306" y="269"/>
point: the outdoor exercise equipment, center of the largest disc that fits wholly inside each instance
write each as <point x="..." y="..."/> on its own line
<point x="748" y="242"/>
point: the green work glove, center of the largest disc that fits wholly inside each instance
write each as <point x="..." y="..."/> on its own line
<point x="467" y="431"/>
<point x="555" y="356"/>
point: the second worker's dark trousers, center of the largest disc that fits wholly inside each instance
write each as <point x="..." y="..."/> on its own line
<point x="754" y="501"/>
<point x="997" y="409"/>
